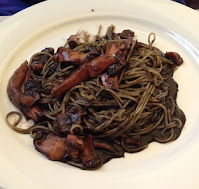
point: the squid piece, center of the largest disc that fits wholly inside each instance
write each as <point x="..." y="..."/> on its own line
<point x="14" y="87"/>
<point x="110" y="79"/>
<point x="21" y="101"/>
<point x="64" y="122"/>
<point x="75" y="146"/>
<point x="88" y="70"/>
<point x="67" y="55"/>
<point x="116" y="68"/>
<point x="174" y="57"/>
<point x="89" y="156"/>
<point x="119" y="47"/>
<point x="73" y="41"/>
<point x="110" y="82"/>
<point x="39" y="61"/>
<point x="57" y="148"/>
<point x="126" y="34"/>
<point x="49" y="50"/>
<point x="60" y="124"/>
<point x="31" y="88"/>
<point x="53" y="147"/>
<point x="135" y="140"/>
<point x="100" y="144"/>
<point x="79" y="38"/>
<point x="34" y="112"/>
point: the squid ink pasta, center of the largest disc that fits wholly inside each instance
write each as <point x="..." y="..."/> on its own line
<point x="94" y="100"/>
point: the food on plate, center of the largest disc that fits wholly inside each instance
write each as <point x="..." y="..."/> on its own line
<point x="94" y="100"/>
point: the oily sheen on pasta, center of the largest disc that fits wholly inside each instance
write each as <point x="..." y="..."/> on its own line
<point x="94" y="100"/>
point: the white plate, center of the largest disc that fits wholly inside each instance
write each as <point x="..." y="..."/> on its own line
<point x="165" y="166"/>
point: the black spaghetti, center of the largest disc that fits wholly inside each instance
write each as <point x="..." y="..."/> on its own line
<point x="93" y="101"/>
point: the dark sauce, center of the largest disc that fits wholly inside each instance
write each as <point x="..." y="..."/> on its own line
<point x="105" y="156"/>
<point x="173" y="89"/>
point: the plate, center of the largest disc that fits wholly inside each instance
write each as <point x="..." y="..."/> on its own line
<point x="173" y="165"/>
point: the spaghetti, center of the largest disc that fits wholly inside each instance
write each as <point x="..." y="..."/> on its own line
<point x="122" y="109"/>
